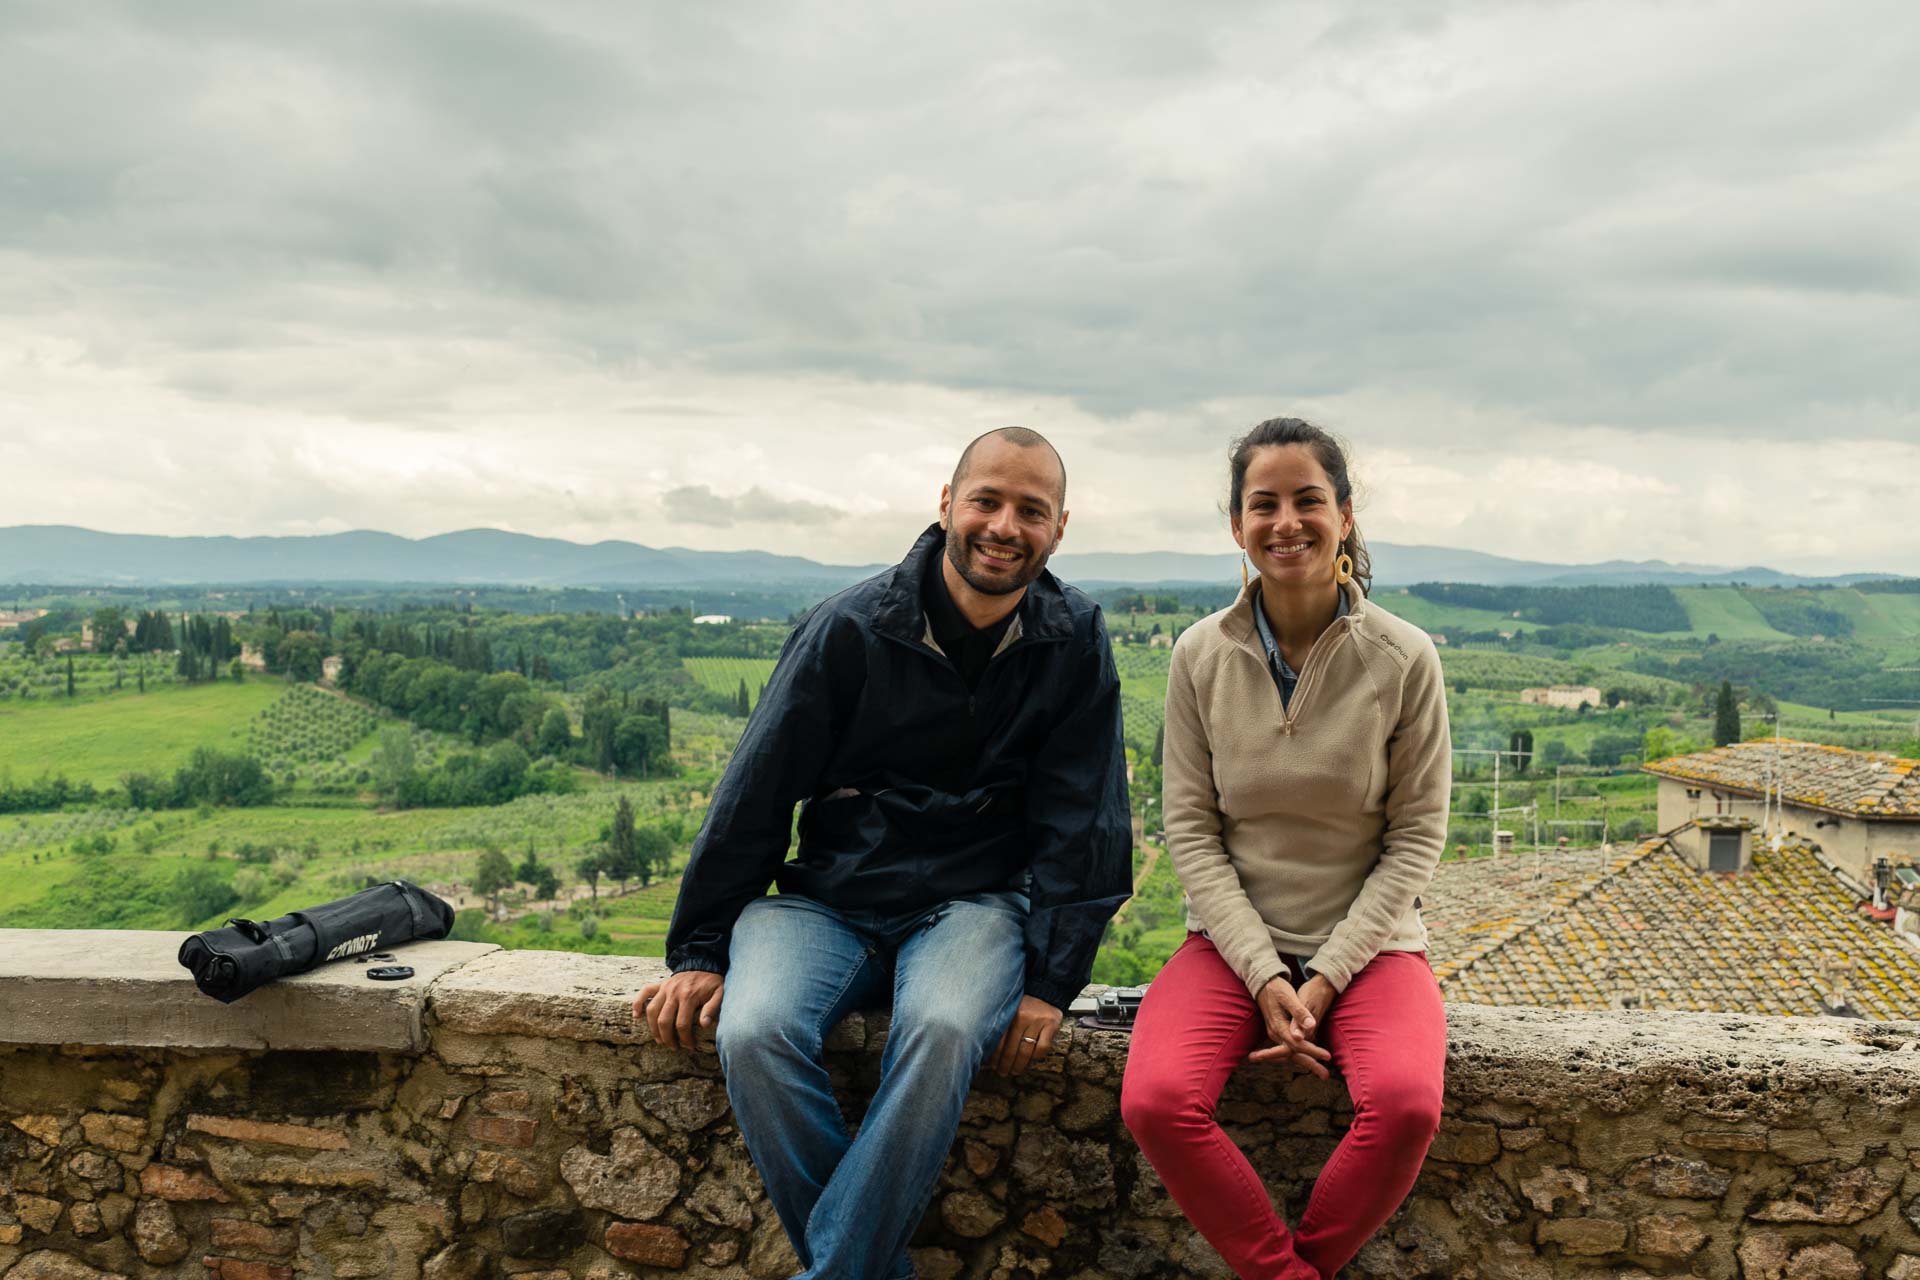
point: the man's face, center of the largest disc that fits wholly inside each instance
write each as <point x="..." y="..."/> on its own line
<point x="1004" y="519"/>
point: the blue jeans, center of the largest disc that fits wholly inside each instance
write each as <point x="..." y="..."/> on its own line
<point x="954" y="974"/>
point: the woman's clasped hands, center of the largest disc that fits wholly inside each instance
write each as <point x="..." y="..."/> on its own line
<point x="1293" y="1019"/>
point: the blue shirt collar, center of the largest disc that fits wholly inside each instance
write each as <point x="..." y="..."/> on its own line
<point x="1272" y="646"/>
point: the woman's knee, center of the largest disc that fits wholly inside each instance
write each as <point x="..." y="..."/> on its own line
<point x="1408" y="1116"/>
<point x="1151" y="1103"/>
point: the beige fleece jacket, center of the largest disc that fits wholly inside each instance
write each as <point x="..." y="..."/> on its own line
<point x="1308" y="830"/>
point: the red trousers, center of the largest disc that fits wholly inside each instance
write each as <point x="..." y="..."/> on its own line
<point x="1388" y="1035"/>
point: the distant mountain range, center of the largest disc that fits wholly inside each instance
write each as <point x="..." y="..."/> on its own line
<point x="68" y="556"/>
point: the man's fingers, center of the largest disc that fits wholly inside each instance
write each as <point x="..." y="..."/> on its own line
<point x="657" y="1010"/>
<point x="1272" y="1053"/>
<point x="711" y="1009"/>
<point x="998" y="1063"/>
<point x="683" y="1021"/>
<point x="641" y="1001"/>
<point x="1047" y="1032"/>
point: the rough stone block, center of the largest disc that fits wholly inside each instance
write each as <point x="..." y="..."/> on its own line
<point x="238" y="1129"/>
<point x="1465" y="1142"/>
<point x="505" y="1131"/>
<point x="685" y="1105"/>
<point x="1550" y="1188"/>
<point x="38" y="1212"/>
<point x="85" y="1220"/>
<point x="1585" y="1237"/>
<point x="251" y="1237"/>
<point x="240" y="1269"/>
<point x="511" y="1172"/>
<point x="1828" y="1261"/>
<point x="1680" y="1179"/>
<point x="970" y="1214"/>
<point x="50" y="1264"/>
<point x="125" y="1134"/>
<point x="648" y="1244"/>
<point x="1845" y="1198"/>
<point x="172" y="1183"/>
<point x="1662" y="1236"/>
<point x="1045" y="1225"/>
<point x="1063" y="1169"/>
<point x="157" y="1238"/>
<point x="43" y="1129"/>
<point x="637" y="1180"/>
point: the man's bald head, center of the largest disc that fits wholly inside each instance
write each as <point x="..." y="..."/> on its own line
<point x="1020" y="437"/>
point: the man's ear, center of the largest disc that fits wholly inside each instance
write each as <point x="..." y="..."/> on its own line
<point x="1059" y="532"/>
<point x="946" y="500"/>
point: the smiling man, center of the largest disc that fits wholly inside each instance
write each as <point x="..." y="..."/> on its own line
<point x="951" y="728"/>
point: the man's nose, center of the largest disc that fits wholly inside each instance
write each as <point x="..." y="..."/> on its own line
<point x="1003" y="525"/>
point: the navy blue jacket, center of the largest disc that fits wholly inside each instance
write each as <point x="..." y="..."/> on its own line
<point x="914" y="791"/>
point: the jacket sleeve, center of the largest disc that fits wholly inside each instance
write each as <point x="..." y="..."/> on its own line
<point x="778" y="763"/>
<point x="1079" y="828"/>
<point x="1419" y="787"/>
<point x="1192" y="817"/>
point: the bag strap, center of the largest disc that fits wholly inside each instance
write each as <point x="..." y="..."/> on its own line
<point x="255" y="931"/>
<point x="414" y="905"/>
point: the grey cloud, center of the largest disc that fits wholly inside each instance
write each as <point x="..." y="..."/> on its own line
<point x="1644" y="216"/>
<point x="698" y="504"/>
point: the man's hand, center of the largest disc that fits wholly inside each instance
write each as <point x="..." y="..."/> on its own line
<point x="1029" y="1037"/>
<point x="1292" y="1019"/>
<point x="674" y="1009"/>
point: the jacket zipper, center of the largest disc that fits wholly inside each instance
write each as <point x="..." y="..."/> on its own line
<point x="1308" y="668"/>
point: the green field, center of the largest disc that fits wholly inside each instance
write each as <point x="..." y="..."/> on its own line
<point x="724" y="675"/>
<point x="1725" y="612"/>
<point x="97" y="740"/>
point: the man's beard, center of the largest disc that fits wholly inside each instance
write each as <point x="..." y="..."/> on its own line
<point x="1030" y="567"/>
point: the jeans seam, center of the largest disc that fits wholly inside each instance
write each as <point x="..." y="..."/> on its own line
<point x="1218" y="1135"/>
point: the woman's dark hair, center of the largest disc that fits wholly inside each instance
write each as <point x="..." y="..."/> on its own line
<point x="1332" y="459"/>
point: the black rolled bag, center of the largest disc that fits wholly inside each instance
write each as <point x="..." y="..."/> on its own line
<point x="229" y="962"/>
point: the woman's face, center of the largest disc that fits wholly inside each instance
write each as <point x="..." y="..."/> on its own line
<point x="1289" y="524"/>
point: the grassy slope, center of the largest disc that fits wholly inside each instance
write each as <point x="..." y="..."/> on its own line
<point x="1724" y="612"/>
<point x="100" y="739"/>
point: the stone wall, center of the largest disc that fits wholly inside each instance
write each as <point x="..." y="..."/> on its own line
<point x="518" y="1126"/>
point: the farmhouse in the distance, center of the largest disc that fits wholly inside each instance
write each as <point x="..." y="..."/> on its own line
<point x="1854" y="806"/>
<point x="1569" y="697"/>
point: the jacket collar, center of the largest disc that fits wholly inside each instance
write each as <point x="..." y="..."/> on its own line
<point x="1240" y="627"/>
<point x="1043" y="613"/>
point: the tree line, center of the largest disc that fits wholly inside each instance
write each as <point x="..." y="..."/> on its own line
<point x="1643" y="607"/>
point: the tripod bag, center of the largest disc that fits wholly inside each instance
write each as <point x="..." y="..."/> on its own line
<point x="229" y="962"/>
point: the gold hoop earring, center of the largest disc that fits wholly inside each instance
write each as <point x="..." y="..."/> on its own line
<point x="1243" y="575"/>
<point x="1343" y="569"/>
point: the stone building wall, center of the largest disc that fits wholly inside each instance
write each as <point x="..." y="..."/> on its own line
<point x="519" y="1126"/>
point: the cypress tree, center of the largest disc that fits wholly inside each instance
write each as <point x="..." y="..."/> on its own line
<point x="1159" y="746"/>
<point x="69" y="675"/>
<point x="1726" y="716"/>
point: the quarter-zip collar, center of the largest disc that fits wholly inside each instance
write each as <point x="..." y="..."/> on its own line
<point x="1042" y="613"/>
<point x="1241" y="627"/>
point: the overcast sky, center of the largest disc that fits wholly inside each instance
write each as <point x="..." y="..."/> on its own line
<point x="1577" y="281"/>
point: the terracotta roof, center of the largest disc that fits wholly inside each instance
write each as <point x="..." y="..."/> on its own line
<point x="1649" y="927"/>
<point x="1858" y="783"/>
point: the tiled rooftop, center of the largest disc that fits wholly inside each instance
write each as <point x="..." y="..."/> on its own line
<point x="1645" y="925"/>
<point x="1863" y="783"/>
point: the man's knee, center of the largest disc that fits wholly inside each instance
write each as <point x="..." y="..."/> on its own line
<point x="757" y="1028"/>
<point x="948" y="1036"/>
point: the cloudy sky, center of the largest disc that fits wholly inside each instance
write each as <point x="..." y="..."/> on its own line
<point x="1577" y="281"/>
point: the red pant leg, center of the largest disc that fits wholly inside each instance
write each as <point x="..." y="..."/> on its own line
<point x="1388" y="1035"/>
<point x="1195" y="1026"/>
